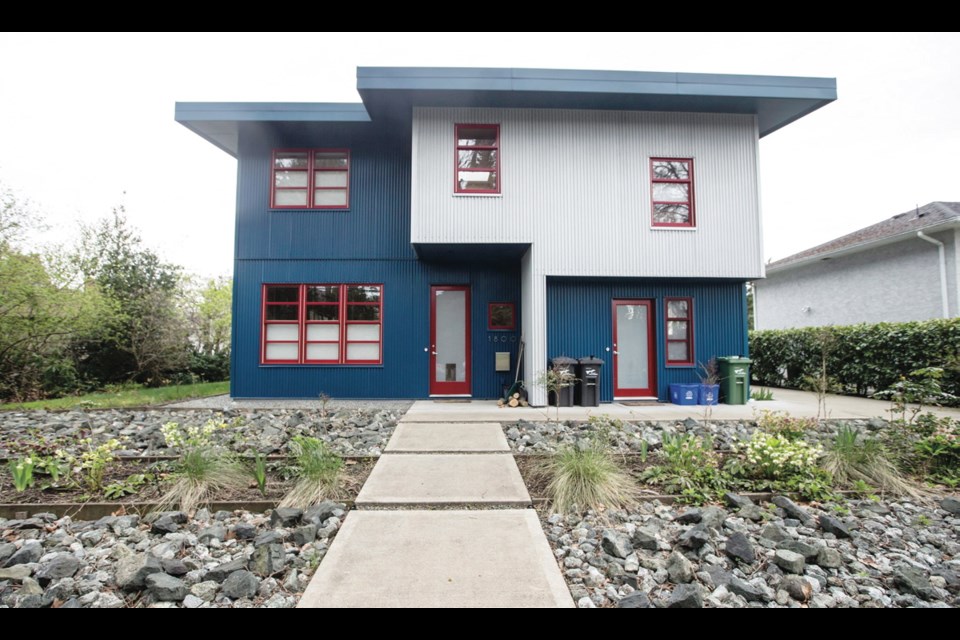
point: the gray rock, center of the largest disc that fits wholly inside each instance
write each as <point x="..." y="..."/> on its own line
<point x="789" y="561"/>
<point x="719" y="576"/>
<point x="876" y="424"/>
<point x="833" y="525"/>
<point x="679" y="568"/>
<point x="829" y="558"/>
<point x="30" y="552"/>
<point x="792" y="509"/>
<point x="220" y="573"/>
<point x="240" y="584"/>
<point x="774" y="533"/>
<point x="61" y="565"/>
<point x="30" y="601"/>
<point x="192" y="602"/>
<point x="645" y="538"/>
<point x="132" y="570"/>
<point x="164" y="524"/>
<point x="696" y="537"/>
<point x="745" y="590"/>
<point x="206" y="591"/>
<point x="18" y="572"/>
<point x="305" y="535"/>
<point x="244" y="531"/>
<point x="30" y="587"/>
<point x="166" y="588"/>
<point x="616" y="544"/>
<point x="268" y="560"/>
<point x="740" y="548"/>
<point x="690" y="516"/>
<point x="635" y="601"/>
<point x="216" y="532"/>
<point x="285" y="517"/>
<point x="686" y="596"/>
<point x="7" y="549"/>
<point x="713" y="518"/>
<point x="951" y="505"/>
<point x="752" y="513"/>
<point x="320" y="513"/>
<point x="735" y="501"/>
<point x="808" y="551"/>
<point x="268" y="537"/>
<point x="911" y="580"/>
<point x="798" y="588"/>
<point x="175" y="567"/>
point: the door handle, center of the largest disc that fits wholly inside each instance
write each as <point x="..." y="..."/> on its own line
<point x="433" y="353"/>
<point x="616" y="353"/>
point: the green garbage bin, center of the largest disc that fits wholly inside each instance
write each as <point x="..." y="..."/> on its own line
<point x="734" y="379"/>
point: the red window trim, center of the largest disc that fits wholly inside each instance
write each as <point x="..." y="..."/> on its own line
<point x="457" y="148"/>
<point x="302" y="323"/>
<point x="311" y="171"/>
<point x="653" y="203"/>
<point x="691" y="358"/>
<point x="513" y="316"/>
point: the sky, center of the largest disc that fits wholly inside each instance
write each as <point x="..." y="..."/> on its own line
<point x="86" y="120"/>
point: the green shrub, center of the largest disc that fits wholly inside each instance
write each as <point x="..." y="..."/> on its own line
<point x="318" y="469"/>
<point x="688" y="468"/>
<point x="851" y="459"/>
<point x="203" y="468"/>
<point x="781" y="424"/>
<point x="588" y="477"/>
<point x="770" y="457"/>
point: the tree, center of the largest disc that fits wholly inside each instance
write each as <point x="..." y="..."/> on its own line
<point x="210" y="317"/>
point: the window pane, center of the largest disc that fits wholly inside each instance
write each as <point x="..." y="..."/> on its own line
<point x="480" y="180"/>
<point x="671" y="170"/>
<point x="671" y="191"/>
<point x="476" y="136"/>
<point x="330" y="179"/>
<point x="363" y="294"/>
<point x="323" y="332"/>
<point x="501" y="316"/>
<point x="331" y="160"/>
<point x="323" y="294"/>
<point x="291" y="198"/>
<point x="677" y="352"/>
<point x="282" y="351"/>
<point x="326" y="312"/>
<point x="330" y="198"/>
<point x="477" y="159"/>
<point x="283" y="294"/>
<point x="363" y="332"/>
<point x="290" y="178"/>
<point x="677" y="309"/>
<point x="291" y="160"/>
<point x="363" y="312"/>
<point x="283" y="332"/>
<point x="323" y="352"/>
<point x="671" y="213"/>
<point x="363" y="351"/>
<point x="677" y="330"/>
<point x="282" y="312"/>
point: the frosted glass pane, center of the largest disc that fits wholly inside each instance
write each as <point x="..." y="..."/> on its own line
<point x="476" y="136"/>
<point x="282" y="351"/>
<point x="291" y="198"/>
<point x="330" y="198"/>
<point x="330" y="179"/>
<point x="677" y="352"/>
<point x="290" y="178"/>
<point x="363" y="332"/>
<point x="451" y="347"/>
<point x="671" y="170"/>
<point x="671" y="192"/>
<point x="632" y="356"/>
<point x="331" y="160"/>
<point x="291" y="159"/>
<point x="323" y="352"/>
<point x="677" y="330"/>
<point x="486" y="159"/>
<point x="478" y="180"/>
<point x="323" y="332"/>
<point x="671" y="213"/>
<point x="283" y="332"/>
<point x="363" y="351"/>
<point x="677" y="309"/>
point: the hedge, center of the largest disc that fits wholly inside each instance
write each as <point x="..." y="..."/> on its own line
<point x="862" y="358"/>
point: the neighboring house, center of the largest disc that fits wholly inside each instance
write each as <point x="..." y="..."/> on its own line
<point x="405" y="246"/>
<point x="904" y="268"/>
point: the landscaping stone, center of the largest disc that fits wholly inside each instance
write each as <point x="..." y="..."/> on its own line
<point x="305" y="535"/>
<point x="268" y="560"/>
<point x="745" y="590"/>
<point x="616" y="544"/>
<point x="166" y="588"/>
<point x="132" y="570"/>
<point x="808" y="551"/>
<point x="6" y="550"/>
<point x="164" y="524"/>
<point x="244" y="531"/>
<point x="797" y="588"/>
<point x="912" y="580"/>
<point x="286" y="517"/>
<point x="696" y="537"/>
<point x="216" y="532"/>
<point x="18" y="572"/>
<point x="221" y="572"/>
<point x="686" y="596"/>
<point x="740" y="548"/>
<point x="61" y="565"/>
<point x="713" y="518"/>
<point x="833" y="525"/>
<point x="829" y="558"/>
<point x="29" y="553"/>
<point x="240" y="584"/>
<point x="635" y="601"/>
<point x="735" y="501"/>
<point x="679" y="568"/>
<point x="690" y="516"/>
<point x="645" y="538"/>
<point x="322" y="512"/>
<point x="789" y="561"/>
<point x="951" y="505"/>
<point x="792" y="509"/>
<point x="205" y="591"/>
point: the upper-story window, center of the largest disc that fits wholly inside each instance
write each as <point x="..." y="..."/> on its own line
<point x="672" y="188"/>
<point x="311" y="179"/>
<point x="478" y="158"/>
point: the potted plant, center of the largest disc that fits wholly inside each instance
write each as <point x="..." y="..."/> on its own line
<point x="709" y="382"/>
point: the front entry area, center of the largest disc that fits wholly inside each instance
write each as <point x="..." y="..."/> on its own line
<point x="450" y="341"/>
<point x="634" y="354"/>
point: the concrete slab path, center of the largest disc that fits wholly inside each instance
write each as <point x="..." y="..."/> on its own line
<point x="439" y="559"/>
<point x="463" y="437"/>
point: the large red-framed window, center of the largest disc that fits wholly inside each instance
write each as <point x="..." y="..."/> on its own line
<point x="322" y="324"/>
<point x="679" y="331"/>
<point x="477" y="158"/>
<point x="311" y="179"/>
<point x="671" y="186"/>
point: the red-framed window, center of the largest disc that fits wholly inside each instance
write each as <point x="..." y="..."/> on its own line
<point x="477" y="158"/>
<point x="679" y="331"/>
<point x="311" y="179"/>
<point x="671" y="186"/>
<point x="322" y="324"/>
<point x="501" y="316"/>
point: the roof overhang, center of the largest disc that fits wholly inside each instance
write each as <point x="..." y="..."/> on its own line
<point x="863" y="246"/>
<point x="775" y="100"/>
<point x="219" y="122"/>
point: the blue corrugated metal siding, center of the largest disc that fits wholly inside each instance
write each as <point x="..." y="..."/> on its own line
<point x="579" y="321"/>
<point x="406" y="328"/>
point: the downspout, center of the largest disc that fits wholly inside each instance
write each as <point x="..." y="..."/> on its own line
<point x="941" y="249"/>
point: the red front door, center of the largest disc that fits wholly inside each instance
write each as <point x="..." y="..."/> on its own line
<point x="450" y="341"/>
<point x="634" y="355"/>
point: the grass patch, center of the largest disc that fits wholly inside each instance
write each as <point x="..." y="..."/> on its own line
<point x="761" y="394"/>
<point x="588" y="478"/>
<point x="851" y="459"/>
<point x="201" y="474"/>
<point x="318" y="471"/>
<point x="134" y="396"/>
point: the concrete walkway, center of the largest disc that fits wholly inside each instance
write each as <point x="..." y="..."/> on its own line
<point x="404" y="547"/>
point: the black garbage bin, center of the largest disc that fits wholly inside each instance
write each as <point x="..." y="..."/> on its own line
<point x="588" y="391"/>
<point x="569" y="365"/>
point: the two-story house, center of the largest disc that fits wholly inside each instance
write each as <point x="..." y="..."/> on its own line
<point x="393" y="248"/>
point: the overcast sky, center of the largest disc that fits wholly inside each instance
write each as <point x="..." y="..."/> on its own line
<point x="86" y="121"/>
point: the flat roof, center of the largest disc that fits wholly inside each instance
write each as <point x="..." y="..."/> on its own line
<point x="387" y="91"/>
